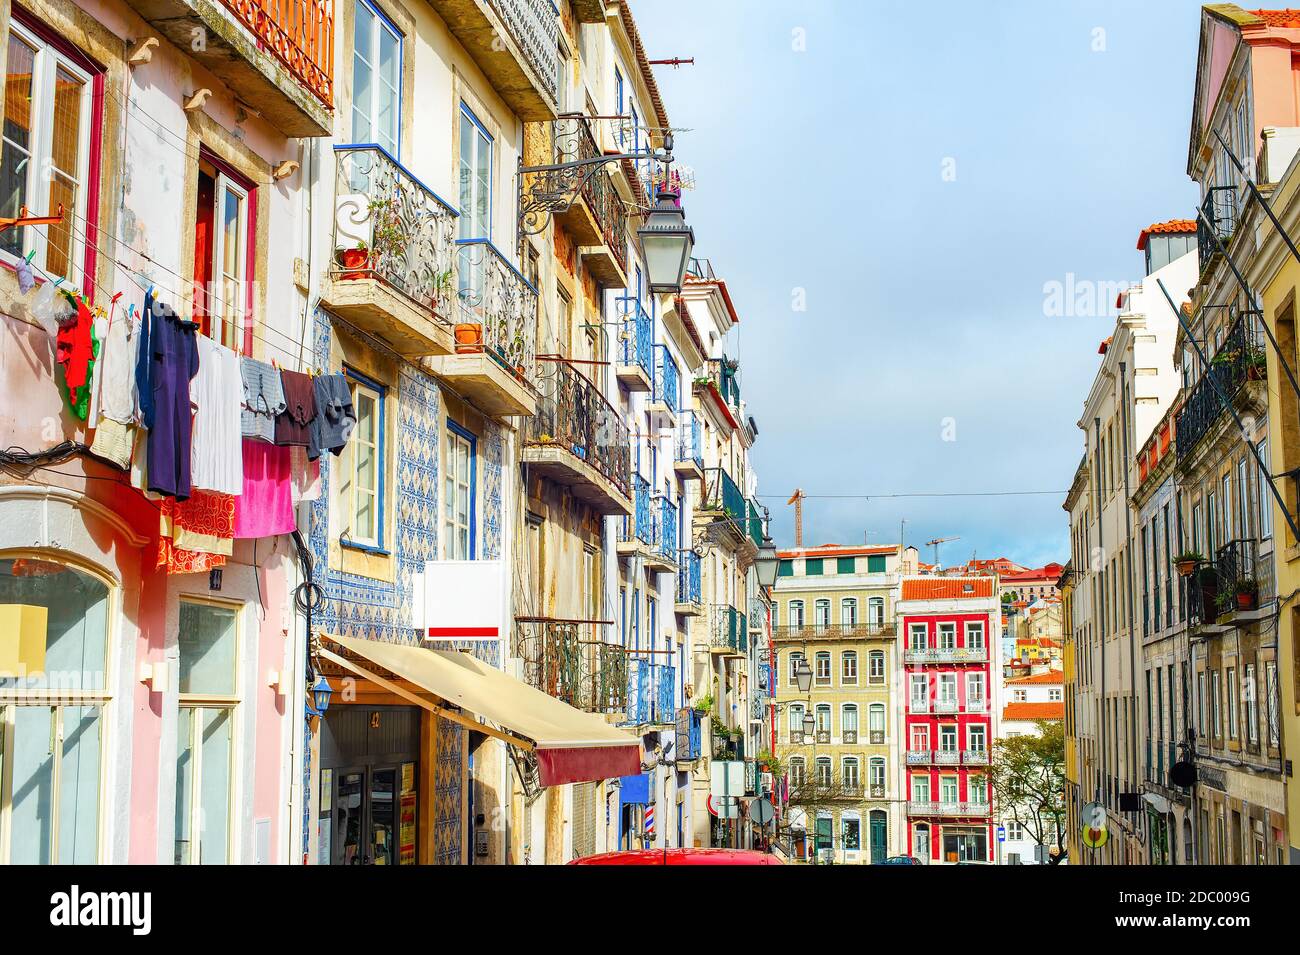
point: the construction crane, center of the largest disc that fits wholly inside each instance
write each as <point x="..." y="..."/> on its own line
<point x="797" y="500"/>
<point x="935" y="544"/>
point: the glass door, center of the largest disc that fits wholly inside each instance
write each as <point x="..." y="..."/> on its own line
<point x="365" y="814"/>
<point x="383" y="817"/>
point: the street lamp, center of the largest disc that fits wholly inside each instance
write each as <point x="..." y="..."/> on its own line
<point x="809" y="724"/>
<point x="321" y="692"/>
<point x="667" y="242"/>
<point x="803" y="675"/>
<point x="767" y="563"/>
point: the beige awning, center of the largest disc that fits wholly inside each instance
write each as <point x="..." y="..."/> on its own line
<point x="571" y="746"/>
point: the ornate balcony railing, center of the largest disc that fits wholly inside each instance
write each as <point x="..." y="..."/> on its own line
<point x="495" y="295"/>
<point x="944" y="706"/>
<point x="1220" y="208"/>
<point x="535" y="28"/>
<point x="665" y="543"/>
<point x="724" y="374"/>
<point x="976" y="706"/>
<point x="722" y="494"/>
<point x="567" y="661"/>
<point x="688" y="577"/>
<point x="975" y="757"/>
<point x="573" y="414"/>
<point x="832" y="631"/>
<point x="875" y="737"/>
<point x="573" y="140"/>
<point x="918" y="757"/>
<point x="823" y="737"/>
<point x="729" y="628"/>
<point x="666" y="378"/>
<point x="1239" y="359"/>
<point x="754" y="523"/>
<point x="850" y="737"/>
<point x="947" y="757"/>
<point x="640" y="526"/>
<point x="932" y="808"/>
<point x="299" y="33"/>
<point x="651" y="691"/>
<point x="690" y="734"/>
<point x="404" y="232"/>
<point x="636" y="347"/>
<point x="946" y="655"/>
<point x="690" y="447"/>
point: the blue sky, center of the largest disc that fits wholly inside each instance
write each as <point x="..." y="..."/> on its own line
<point x="824" y="170"/>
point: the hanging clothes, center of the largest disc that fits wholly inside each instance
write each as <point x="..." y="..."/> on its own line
<point x="196" y="534"/>
<point x="144" y="364"/>
<point x="115" y="374"/>
<point x="217" y="394"/>
<point x="263" y="399"/>
<point x="305" y="475"/>
<point x="265" y="509"/>
<point x="74" y="350"/>
<point x="175" y="362"/>
<point x="293" y="426"/>
<point x="335" y="416"/>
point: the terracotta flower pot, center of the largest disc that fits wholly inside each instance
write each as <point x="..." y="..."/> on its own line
<point x="355" y="262"/>
<point x="469" y="338"/>
<point x="1246" y="601"/>
<point x="1185" y="567"/>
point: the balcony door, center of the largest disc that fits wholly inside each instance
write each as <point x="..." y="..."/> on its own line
<point x="822" y="614"/>
<point x="376" y="79"/>
<point x="948" y="744"/>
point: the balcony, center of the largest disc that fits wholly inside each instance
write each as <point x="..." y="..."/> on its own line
<point x="690" y="735"/>
<point x="729" y="634"/>
<point x="663" y="549"/>
<point x="754" y="523"/>
<point x="946" y="655"/>
<point x="976" y="706"/>
<point x="719" y="388"/>
<point x="964" y="810"/>
<point x="974" y="757"/>
<point x="689" y="458"/>
<point x="637" y="532"/>
<point x="568" y="661"/>
<point x="796" y="737"/>
<point x="876" y="791"/>
<point x="947" y="757"/>
<point x="1238" y="371"/>
<point x="515" y="43"/>
<point x="635" y="366"/>
<point x="651" y="531"/>
<point x="945" y="706"/>
<point x="849" y="737"/>
<point x="919" y="757"/>
<point x="1237" y="565"/>
<point x="576" y="438"/>
<point x="663" y="396"/>
<point x="823" y="737"/>
<point x="277" y="56"/>
<point x="688" y="584"/>
<point x="1220" y="208"/>
<point x="394" y="274"/>
<point x="832" y="631"/>
<point x="496" y="335"/>
<point x="585" y="200"/>
<point x="725" y="512"/>
<point x="876" y="737"/>
<point x="651" y="692"/>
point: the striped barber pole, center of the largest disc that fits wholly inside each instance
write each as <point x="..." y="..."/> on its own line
<point x="649" y="826"/>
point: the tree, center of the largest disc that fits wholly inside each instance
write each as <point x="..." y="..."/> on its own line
<point x="1028" y="775"/>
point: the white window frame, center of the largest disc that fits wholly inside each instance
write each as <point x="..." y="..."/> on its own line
<point x="371" y="59"/>
<point x="918" y="637"/>
<point x="819" y="658"/>
<point x="46" y="62"/>
<point x="226" y="298"/>
<point x="456" y="441"/>
<point x="975" y="629"/>
<point x="875" y="667"/>
<point x="946" y="636"/>
<point x="849" y="612"/>
<point x="849" y="668"/>
<point x="351" y="489"/>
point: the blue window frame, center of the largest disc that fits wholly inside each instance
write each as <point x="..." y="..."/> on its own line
<point x="377" y="50"/>
<point x="362" y="487"/>
<point x="460" y="494"/>
<point x="618" y="104"/>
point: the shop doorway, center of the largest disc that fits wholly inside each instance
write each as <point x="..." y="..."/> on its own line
<point x="365" y="815"/>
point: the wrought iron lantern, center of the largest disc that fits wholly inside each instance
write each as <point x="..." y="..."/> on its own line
<point x="666" y="241"/>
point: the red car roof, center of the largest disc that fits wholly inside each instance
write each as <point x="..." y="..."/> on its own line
<point x="680" y="857"/>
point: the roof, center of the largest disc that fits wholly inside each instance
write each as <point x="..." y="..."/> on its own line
<point x="1034" y="711"/>
<point x="643" y="63"/>
<point x="1279" y="18"/>
<point x="1036" y="679"/>
<point x="1170" y="227"/>
<point x="837" y="550"/>
<point x="946" y="588"/>
<point x="721" y="286"/>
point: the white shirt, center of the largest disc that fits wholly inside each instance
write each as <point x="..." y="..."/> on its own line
<point x="217" y="394"/>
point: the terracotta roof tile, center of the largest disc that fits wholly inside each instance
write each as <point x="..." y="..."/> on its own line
<point x="1034" y="711"/>
<point x="1279" y="18"/>
<point x="1037" y="679"/>
<point x="946" y="588"/>
<point x="1172" y="227"/>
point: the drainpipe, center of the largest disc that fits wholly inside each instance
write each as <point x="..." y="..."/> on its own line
<point x="1101" y="621"/>
<point x="1128" y="576"/>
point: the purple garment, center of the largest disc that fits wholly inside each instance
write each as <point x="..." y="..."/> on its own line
<point x="173" y="362"/>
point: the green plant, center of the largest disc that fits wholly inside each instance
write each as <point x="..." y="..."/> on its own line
<point x="1247" y="585"/>
<point x="386" y="231"/>
<point x="704" y="704"/>
<point x="1188" y="556"/>
<point x="773" y="764"/>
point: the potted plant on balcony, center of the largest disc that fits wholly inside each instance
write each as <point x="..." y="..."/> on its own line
<point x="768" y="763"/>
<point x="469" y="338"/>
<point x="1256" y="364"/>
<point x="1186" y="562"/>
<point x="387" y="238"/>
<point x="1247" y="593"/>
<point x="354" y="261"/>
<point x="444" y="288"/>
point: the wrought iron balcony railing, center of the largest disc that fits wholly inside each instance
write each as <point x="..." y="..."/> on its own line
<point x="724" y="375"/>
<point x="666" y="378"/>
<point x="574" y="140"/>
<point x="688" y="577"/>
<point x="1237" y="568"/>
<point x="722" y="494"/>
<point x="947" y="757"/>
<point x="495" y="295"/>
<point x="534" y="25"/>
<point x="919" y="757"/>
<point x="640" y="526"/>
<point x="1239" y="359"/>
<point x="729" y="629"/>
<point x="942" y="808"/>
<point x="754" y="523"/>
<point x="975" y="757"/>
<point x="636" y="347"/>
<point x="1220" y="208"/>
<point x="665" y="544"/>
<point x="403" y="234"/>
<point x="567" y="661"/>
<point x="651" y="691"/>
<point x="690" y="734"/>
<point x="574" y="415"/>
<point x="832" y="631"/>
<point x="945" y="655"/>
<point x="690" y="446"/>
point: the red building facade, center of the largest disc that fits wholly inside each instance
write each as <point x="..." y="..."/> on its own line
<point x="949" y="633"/>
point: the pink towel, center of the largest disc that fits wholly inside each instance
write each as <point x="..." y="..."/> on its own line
<point x="265" y="509"/>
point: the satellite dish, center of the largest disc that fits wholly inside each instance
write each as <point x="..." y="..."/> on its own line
<point x="1183" y="774"/>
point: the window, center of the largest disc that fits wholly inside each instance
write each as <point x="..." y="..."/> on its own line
<point x="976" y="737"/>
<point x="1019" y="696"/>
<point x="822" y="668"/>
<point x="1015" y="831"/>
<point x="796" y="614"/>
<point x="876" y="667"/>
<point x="977" y="791"/>
<point x="852" y="829"/>
<point x="812" y="567"/>
<point x="1264" y="499"/>
<point x="796" y="717"/>
<point x="1215" y="696"/>
<point x="823" y="771"/>
<point x="947" y="738"/>
<point x="823" y="717"/>
<point x="1252" y="708"/>
<point x="975" y="636"/>
<point x="361" y="488"/>
<point x="785" y="568"/>
<point x="458" y="480"/>
<point x="876" y="612"/>
<point x="848" y="612"/>
<point x="876" y="564"/>
<point x="822" y="614"/>
<point x="795" y="657"/>
<point x="974" y="691"/>
<point x="376" y="79"/>
<point x="947" y="789"/>
<point x="1233" y="696"/>
<point x="916" y="636"/>
<point x="849" y="718"/>
<point x="796" y="771"/>
<point x="876" y="775"/>
<point x="49" y="98"/>
<point x="849" y="773"/>
<point x="205" y="732"/>
<point x="920" y="787"/>
<point x="1270" y="699"/>
<point x="947" y="636"/>
<point x="849" y="668"/>
<point x="920" y="695"/>
<point x="222" y="290"/>
<point x="1200" y="702"/>
<point x="475" y="202"/>
<point x="920" y="737"/>
<point x="50" y="747"/>
<point x="947" y="688"/>
<point x="845" y="565"/>
<point x="876" y="722"/>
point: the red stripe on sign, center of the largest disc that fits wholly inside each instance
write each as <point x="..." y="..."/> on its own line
<point x="464" y="631"/>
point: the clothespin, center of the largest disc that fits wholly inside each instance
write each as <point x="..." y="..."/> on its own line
<point x="29" y="256"/>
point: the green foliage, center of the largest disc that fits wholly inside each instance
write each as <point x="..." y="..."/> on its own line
<point x="1028" y="775"/>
